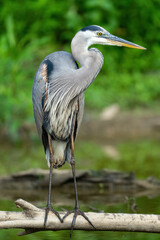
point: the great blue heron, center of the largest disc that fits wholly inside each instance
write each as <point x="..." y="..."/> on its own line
<point x="58" y="99"/>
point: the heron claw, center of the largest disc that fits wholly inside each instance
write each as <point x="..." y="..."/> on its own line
<point x="77" y="211"/>
<point x="47" y="209"/>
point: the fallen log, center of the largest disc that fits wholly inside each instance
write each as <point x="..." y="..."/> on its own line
<point x="111" y="186"/>
<point x="38" y="178"/>
<point x="32" y="220"/>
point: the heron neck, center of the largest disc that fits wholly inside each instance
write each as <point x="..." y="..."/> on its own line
<point x="79" y="52"/>
<point x="87" y="58"/>
<point x="91" y="61"/>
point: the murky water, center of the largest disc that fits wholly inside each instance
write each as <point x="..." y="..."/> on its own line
<point x="144" y="205"/>
<point x="142" y="157"/>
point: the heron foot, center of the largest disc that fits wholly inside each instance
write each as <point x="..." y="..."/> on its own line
<point x="77" y="211"/>
<point x="47" y="209"/>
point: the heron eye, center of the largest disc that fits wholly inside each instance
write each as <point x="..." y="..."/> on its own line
<point x="99" y="33"/>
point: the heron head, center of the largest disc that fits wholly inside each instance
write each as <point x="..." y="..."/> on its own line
<point x="97" y="35"/>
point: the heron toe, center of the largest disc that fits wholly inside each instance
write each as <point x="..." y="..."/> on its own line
<point x="47" y="209"/>
<point x="77" y="211"/>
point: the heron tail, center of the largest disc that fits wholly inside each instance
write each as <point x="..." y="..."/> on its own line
<point x="59" y="157"/>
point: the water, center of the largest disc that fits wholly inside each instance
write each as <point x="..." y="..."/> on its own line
<point x="144" y="205"/>
<point x="142" y="157"/>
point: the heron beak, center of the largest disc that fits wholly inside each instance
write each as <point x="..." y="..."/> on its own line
<point x="113" y="40"/>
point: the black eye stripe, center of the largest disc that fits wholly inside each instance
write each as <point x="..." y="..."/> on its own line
<point x="92" y="28"/>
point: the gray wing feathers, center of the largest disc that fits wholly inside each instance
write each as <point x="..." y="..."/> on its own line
<point x="69" y="82"/>
<point x="62" y="62"/>
<point x="37" y="94"/>
<point x="66" y="85"/>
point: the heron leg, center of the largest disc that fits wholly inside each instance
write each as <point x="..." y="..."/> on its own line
<point x="77" y="211"/>
<point x="49" y="207"/>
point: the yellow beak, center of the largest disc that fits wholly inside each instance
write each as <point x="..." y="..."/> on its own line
<point x="113" y="40"/>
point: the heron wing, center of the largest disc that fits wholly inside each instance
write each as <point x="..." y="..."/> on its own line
<point x="37" y="94"/>
<point x="49" y="88"/>
<point x="68" y="82"/>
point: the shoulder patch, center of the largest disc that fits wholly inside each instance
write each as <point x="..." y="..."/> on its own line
<point x="47" y="68"/>
<point x="44" y="73"/>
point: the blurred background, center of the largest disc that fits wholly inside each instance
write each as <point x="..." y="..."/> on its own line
<point x="122" y="118"/>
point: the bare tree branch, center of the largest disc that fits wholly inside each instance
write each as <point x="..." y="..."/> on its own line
<point x="32" y="220"/>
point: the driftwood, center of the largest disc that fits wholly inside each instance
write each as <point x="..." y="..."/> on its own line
<point x="32" y="220"/>
<point x="38" y="178"/>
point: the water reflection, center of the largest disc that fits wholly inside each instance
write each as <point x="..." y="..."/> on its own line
<point x="144" y="204"/>
<point x="142" y="157"/>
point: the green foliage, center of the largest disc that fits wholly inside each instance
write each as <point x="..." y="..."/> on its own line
<point x="31" y="30"/>
<point x="128" y="90"/>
